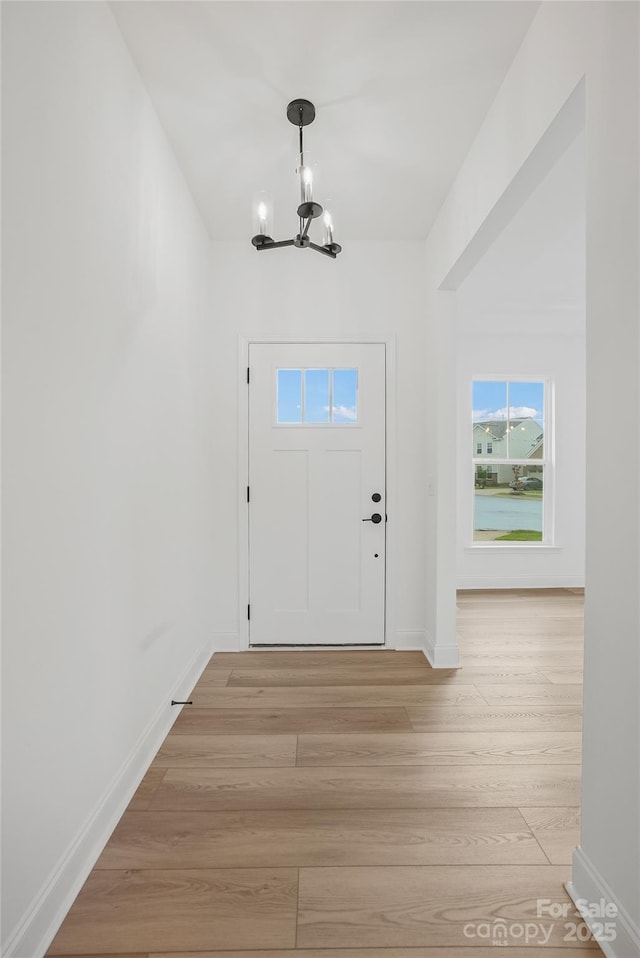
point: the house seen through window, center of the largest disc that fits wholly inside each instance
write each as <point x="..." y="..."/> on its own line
<point x="510" y="465"/>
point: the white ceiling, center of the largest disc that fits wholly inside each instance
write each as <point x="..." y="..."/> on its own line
<point x="401" y="89"/>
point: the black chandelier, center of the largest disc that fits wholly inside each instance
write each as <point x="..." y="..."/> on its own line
<point x="301" y="113"/>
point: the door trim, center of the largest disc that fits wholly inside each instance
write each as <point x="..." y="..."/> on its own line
<point x="243" y="481"/>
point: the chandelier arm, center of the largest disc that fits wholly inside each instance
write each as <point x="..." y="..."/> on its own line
<point x="322" y="249"/>
<point x="277" y="245"/>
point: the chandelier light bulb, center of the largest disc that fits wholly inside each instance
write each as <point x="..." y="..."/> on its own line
<point x="327" y="222"/>
<point x="262" y="217"/>
<point x="306" y="184"/>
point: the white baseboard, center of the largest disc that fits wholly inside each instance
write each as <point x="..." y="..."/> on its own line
<point x="441" y="656"/>
<point x="438" y="656"/>
<point x="588" y="885"/>
<point x="520" y="582"/>
<point x="409" y="639"/>
<point x="41" y="921"/>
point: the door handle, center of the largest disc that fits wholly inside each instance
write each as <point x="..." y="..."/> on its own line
<point x="375" y="518"/>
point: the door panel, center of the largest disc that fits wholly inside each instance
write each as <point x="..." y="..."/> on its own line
<point x="316" y="457"/>
<point x="288" y="508"/>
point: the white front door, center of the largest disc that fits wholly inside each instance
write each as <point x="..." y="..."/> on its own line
<point x="316" y="494"/>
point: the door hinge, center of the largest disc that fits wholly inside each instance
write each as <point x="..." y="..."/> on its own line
<point x="248" y="499"/>
<point x="248" y="611"/>
<point x="248" y="374"/>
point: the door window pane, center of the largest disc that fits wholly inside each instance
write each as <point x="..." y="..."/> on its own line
<point x="316" y="395"/>
<point x="345" y="395"/>
<point x="289" y="401"/>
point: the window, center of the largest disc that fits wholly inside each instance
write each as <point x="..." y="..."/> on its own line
<point x="289" y="396"/>
<point x="317" y="397"/>
<point x="509" y="499"/>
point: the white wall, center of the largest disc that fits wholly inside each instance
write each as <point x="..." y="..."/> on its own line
<point x="110" y="584"/>
<point x="609" y="854"/>
<point x="521" y="312"/>
<point x="371" y="292"/>
<point x="524" y="132"/>
<point x="526" y="347"/>
<point x="109" y="526"/>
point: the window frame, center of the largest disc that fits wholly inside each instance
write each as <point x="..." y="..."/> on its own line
<point x="547" y="462"/>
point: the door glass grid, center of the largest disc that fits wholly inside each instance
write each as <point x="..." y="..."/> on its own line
<point x="317" y="396"/>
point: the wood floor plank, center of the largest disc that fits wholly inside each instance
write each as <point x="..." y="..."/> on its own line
<point x="441" y="748"/>
<point x="520" y="646"/>
<point x="482" y="948"/>
<point x="226" y="751"/>
<point x="567" y="632"/>
<point x="560" y="718"/>
<point x="169" y="910"/>
<point x="519" y="610"/>
<point x="518" y="616"/>
<point x="557" y="830"/>
<point x="520" y="613"/>
<point x="418" y="906"/>
<point x="508" y="659"/>
<point x="531" y="694"/>
<point x="333" y="676"/>
<point x="390" y="787"/>
<point x="517" y="660"/>
<point x="564" y="676"/>
<point x="348" y="696"/>
<point x="555" y="592"/>
<point x="500" y="676"/>
<point x="340" y="658"/>
<point x="216" y="677"/>
<point x="298" y="678"/>
<point x="279" y="720"/>
<point x="321" y="837"/>
<point x="147" y="788"/>
<point x="532" y="628"/>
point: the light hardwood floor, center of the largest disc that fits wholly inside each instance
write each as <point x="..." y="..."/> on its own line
<point x="358" y="804"/>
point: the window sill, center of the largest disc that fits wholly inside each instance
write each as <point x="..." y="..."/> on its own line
<point x="514" y="548"/>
